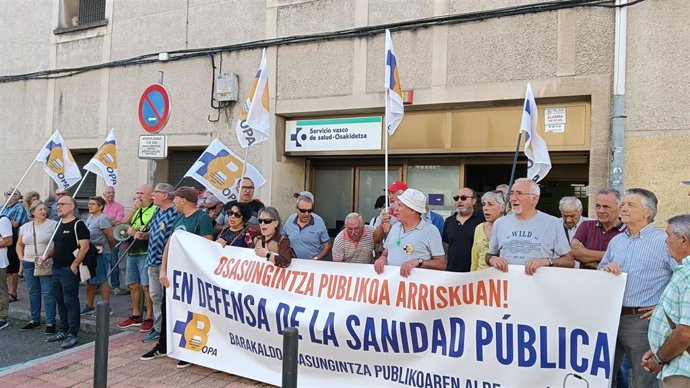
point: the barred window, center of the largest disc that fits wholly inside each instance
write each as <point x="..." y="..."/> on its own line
<point x="80" y="14"/>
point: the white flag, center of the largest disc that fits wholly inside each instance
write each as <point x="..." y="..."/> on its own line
<point x="104" y="163"/>
<point x="539" y="163"/>
<point x="58" y="162"/>
<point x="394" y="98"/>
<point x="253" y="125"/>
<point x="220" y="171"/>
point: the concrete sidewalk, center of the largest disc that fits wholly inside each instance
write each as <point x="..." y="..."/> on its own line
<point x="74" y="367"/>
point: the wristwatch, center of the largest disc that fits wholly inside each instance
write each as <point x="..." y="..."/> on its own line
<point x="550" y="261"/>
<point x="268" y="256"/>
<point x="657" y="360"/>
<point x="419" y="263"/>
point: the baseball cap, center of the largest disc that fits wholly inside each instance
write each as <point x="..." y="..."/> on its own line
<point x="397" y="186"/>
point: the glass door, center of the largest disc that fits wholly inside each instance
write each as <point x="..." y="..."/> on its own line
<point x="333" y="196"/>
<point x="371" y="182"/>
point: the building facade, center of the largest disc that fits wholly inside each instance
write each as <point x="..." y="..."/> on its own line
<point x="609" y="82"/>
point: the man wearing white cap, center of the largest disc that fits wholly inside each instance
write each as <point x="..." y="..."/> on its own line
<point x="412" y="242"/>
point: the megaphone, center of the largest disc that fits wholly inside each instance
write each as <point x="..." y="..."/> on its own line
<point x="120" y="232"/>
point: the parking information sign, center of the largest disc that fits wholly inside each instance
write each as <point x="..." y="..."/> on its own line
<point x="154" y="108"/>
<point x="153" y="147"/>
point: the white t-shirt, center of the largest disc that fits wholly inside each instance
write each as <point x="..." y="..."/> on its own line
<point x="43" y="234"/>
<point x="5" y="231"/>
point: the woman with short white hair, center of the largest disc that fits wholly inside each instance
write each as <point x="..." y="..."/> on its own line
<point x="493" y="206"/>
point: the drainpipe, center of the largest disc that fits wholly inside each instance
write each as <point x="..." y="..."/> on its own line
<point x="618" y="110"/>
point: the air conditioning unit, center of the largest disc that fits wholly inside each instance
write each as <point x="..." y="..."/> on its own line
<point x="227" y="85"/>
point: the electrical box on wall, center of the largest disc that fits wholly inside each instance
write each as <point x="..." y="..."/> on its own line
<point x="227" y="85"/>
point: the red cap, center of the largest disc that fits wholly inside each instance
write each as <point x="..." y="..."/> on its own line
<point x="397" y="186"/>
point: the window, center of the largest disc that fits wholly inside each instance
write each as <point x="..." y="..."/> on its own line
<point x="179" y="163"/>
<point x="80" y="14"/>
<point x="88" y="188"/>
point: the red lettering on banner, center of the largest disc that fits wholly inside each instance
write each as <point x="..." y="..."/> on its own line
<point x="424" y="297"/>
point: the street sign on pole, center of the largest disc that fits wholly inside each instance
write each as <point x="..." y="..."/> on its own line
<point x="154" y="108"/>
<point x="153" y="147"/>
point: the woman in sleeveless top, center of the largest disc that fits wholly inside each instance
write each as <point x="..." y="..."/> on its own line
<point x="236" y="233"/>
<point x="271" y="244"/>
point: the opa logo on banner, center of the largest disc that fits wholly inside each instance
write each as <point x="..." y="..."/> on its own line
<point x="194" y="333"/>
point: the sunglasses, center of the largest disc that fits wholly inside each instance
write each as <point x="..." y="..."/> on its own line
<point x="305" y="210"/>
<point x="57" y="194"/>
<point x="234" y="214"/>
<point x="7" y="193"/>
<point x="265" y="220"/>
<point x="462" y="197"/>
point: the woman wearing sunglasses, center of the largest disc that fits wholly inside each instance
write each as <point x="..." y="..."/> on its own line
<point x="271" y="244"/>
<point x="236" y="233"/>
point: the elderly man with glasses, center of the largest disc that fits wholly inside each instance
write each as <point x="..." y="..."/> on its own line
<point x="355" y="243"/>
<point x="458" y="231"/>
<point x="59" y="193"/>
<point x="18" y="216"/>
<point x="306" y="230"/>
<point x="528" y="237"/>
<point x="246" y="191"/>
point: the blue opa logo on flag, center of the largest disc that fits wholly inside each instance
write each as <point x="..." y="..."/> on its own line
<point x="297" y="137"/>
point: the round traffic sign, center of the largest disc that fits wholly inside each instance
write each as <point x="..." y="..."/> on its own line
<point x="154" y="108"/>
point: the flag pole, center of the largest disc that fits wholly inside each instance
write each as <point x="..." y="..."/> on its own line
<point x="56" y="228"/>
<point x="512" y="172"/>
<point x="4" y="206"/>
<point x="385" y="163"/>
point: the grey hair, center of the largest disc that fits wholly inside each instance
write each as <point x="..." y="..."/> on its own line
<point x="34" y="205"/>
<point x="502" y="187"/>
<point x="211" y="200"/>
<point x="496" y="195"/>
<point x="567" y="203"/>
<point x="167" y="188"/>
<point x="649" y="200"/>
<point x="273" y="212"/>
<point x="533" y="186"/>
<point x="305" y="199"/>
<point x="354" y="216"/>
<point x="615" y="192"/>
<point x="680" y="225"/>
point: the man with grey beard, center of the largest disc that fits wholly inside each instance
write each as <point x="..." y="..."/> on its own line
<point x="458" y="231"/>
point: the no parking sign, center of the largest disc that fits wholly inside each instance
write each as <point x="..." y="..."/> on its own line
<point x="154" y="108"/>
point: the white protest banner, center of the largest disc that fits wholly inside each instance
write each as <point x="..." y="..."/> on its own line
<point x="227" y="310"/>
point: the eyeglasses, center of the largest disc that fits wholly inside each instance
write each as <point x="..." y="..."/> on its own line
<point x="511" y="193"/>
<point x="462" y="197"/>
<point x="265" y="220"/>
<point x="247" y="187"/>
<point x="305" y="210"/>
<point x="8" y="193"/>
<point x="57" y="194"/>
<point x="234" y="214"/>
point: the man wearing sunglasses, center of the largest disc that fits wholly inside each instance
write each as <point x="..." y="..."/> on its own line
<point x="59" y="193"/>
<point x="306" y="230"/>
<point x="458" y="231"/>
<point x="528" y="237"/>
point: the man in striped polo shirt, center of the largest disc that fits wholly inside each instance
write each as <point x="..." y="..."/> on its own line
<point x="355" y="243"/>
<point x="640" y="252"/>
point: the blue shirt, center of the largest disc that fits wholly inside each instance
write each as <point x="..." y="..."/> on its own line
<point x="308" y="241"/>
<point x="16" y="212"/>
<point x="161" y="227"/>
<point x="646" y="261"/>
<point x="435" y="219"/>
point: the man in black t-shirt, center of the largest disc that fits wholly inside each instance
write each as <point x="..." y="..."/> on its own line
<point x="66" y="270"/>
<point x="458" y="231"/>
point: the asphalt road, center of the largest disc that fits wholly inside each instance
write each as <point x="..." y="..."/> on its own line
<point x="18" y="346"/>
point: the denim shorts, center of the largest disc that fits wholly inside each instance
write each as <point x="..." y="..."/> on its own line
<point x="137" y="270"/>
<point x="103" y="260"/>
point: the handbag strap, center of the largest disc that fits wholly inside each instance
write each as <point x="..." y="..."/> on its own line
<point x="33" y="227"/>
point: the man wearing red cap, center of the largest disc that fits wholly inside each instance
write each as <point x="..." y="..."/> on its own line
<point x="383" y="224"/>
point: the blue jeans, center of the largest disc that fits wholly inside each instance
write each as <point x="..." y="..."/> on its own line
<point x="115" y="268"/>
<point x="66" y="289"/>
<point x="40" y="287"/>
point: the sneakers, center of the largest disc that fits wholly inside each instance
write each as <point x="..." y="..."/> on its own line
<point x="120" y="291"/>
<point x="183" y="364"/>
<point x="4" y="324"/>
<point x="30" y="326"/>
<point x="88" y="310"/>
<point x="57" y="337"/>
<point x="152" y="354"/>
<point x="146" y="325"/>
<point x="50" y="329"/>
<point x="151" y="336"/>
<point x="130" y="322"/>
<point x="69" y="342"/>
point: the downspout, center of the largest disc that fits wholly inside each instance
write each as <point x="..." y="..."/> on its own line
<point x="618" y="109"/>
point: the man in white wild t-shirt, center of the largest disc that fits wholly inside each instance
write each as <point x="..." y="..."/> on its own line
<point x="528" y="237"/>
